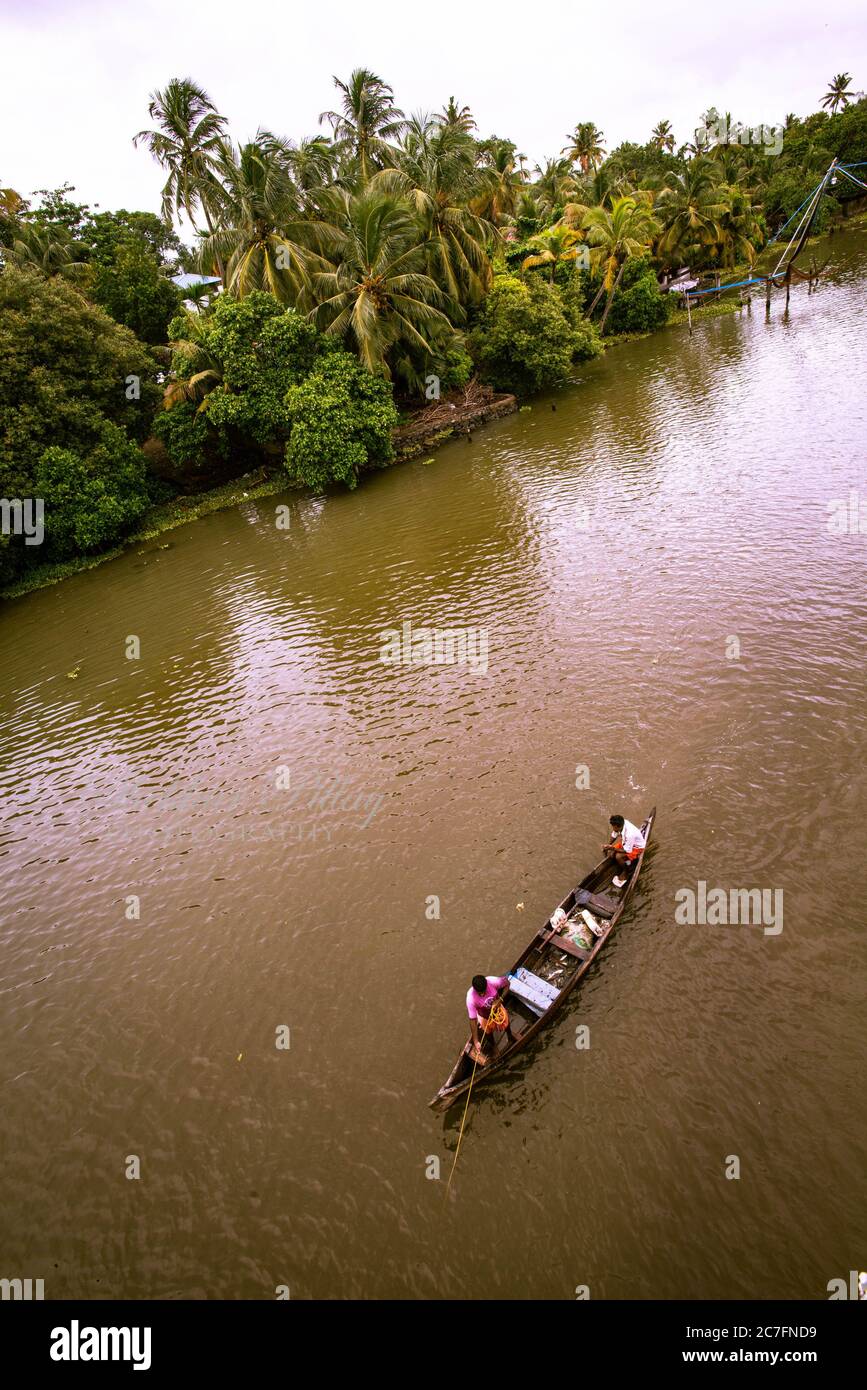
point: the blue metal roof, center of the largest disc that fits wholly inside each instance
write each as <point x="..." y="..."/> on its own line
<point x="185" y="280"/>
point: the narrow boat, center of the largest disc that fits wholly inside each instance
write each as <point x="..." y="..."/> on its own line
<point x="547" y="972"/>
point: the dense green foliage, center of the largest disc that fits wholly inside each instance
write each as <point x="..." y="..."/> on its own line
<point x="342" y="418"/>
<point x="134" y="291"/>
<point x="260" y="350"/>
<point x="183" y="431"/>
<point x="638" y="305"/>
<point x="392" y="257"/>
<point x="258" y="376"/>
<point x="525" y="338"/>
<point x="120" y="260"/>
<point x="75" y="382"/>
<point x="92" y="499"/>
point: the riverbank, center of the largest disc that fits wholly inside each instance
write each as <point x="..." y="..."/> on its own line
<point x="423" y="432"/>
<point x="426" y="430"/>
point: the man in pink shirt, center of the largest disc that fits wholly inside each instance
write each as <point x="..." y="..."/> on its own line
<point x="484" y="1005"/>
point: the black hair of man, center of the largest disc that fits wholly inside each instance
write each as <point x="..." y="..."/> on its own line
<point x="480" y="984"/>
<point x="616" y="821"/>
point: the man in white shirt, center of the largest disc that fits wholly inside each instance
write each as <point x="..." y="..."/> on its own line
<point x="625" y="845"/>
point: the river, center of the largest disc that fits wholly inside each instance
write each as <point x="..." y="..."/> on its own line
<point x="245" y="829"/>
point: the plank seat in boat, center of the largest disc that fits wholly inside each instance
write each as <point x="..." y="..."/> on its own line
<point x="560" y="943"/>
<point x="601" y="904"/>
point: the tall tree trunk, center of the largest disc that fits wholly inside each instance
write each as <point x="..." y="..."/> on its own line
<point x="589" y="314"/>
<point x="611" y="297"/>
<point x="218" y="259"/>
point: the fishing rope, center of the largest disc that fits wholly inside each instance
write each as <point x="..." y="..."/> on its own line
<point x="738" y="284"/>
<point x="852" y="177"/>
<point x="791" y="219"/>
<point x="799" y="235"/>
<point x="806" y="221"/>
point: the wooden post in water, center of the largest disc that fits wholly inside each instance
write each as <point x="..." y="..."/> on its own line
<point x="788" y="284"/>
<point x="689" y="313"/>
<point x="768" y="297"/>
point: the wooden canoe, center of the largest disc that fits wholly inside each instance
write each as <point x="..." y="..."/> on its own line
<point x="550" y="967"/>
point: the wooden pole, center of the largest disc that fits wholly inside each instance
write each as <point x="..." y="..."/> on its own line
<point x="788" y="284"/>
<point x="689" y="314"/>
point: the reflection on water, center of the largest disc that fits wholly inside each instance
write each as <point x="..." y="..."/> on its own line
<point x="247" y="827"/>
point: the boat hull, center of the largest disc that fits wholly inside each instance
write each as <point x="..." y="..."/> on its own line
<point x="541" y="953"/>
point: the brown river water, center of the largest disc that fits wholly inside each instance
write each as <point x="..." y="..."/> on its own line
<point x="667" y="604"/>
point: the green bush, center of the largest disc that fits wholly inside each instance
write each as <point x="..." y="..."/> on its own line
<point x="639" y="306"/>
<point x="453" y="363"/>
<point x="132" y="288"/>
<point x="524" y="340"/>
<point x="261" y="350"/>
<point x="587" y="342"/>
<point x="184" y="433"/>
<point x="68" y="372"/>
<point x="91" y="501"/>
<point x="342" y="418"/>
<point x="639" y="309"/>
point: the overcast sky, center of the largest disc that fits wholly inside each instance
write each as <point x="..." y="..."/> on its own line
<point x="77" y="74"/>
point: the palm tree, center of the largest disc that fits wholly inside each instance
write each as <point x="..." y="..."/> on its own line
<point x="663" y="137"/>
<point x="690" y="206"/>
<point x="312" y="162"/>
<point x="837" y="94"/>
<point x="626" y="230"/>
<point x="438" y="177"/>
<point x="195" y="371"/>
<point x="500" y="186"/>
<point x="375" y="293"/>
<point x="50" y="250"/>
<point x="12" y="209"/>
<point x="739" y="227"/>
<point x="12" y="205"/>
<point x="186" y="144"/>
<point x="605" y="185"/>
<point x="585" y="146"/>
<point x="457" y="117"/>
<point x="729" y="160"/>
<point x="756" y="170"/>
<point x="201" y="295"/>
<point x="551" y="247"/>
<point x="367" y="121"/>
<point x="528" y="217"/>
<point x="555" y="184"/>
<point x="263" y="239"/>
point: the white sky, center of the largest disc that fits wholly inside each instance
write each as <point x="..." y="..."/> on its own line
<point x="76" y="75"/>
